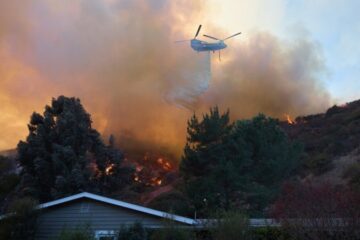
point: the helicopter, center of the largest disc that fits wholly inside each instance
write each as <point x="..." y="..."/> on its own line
<point x="203" y="46"/>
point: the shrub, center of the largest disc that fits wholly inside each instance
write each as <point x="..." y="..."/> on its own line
<point x="79" y="233"/>
<point x="171" y="231"/>
<point x="352" y="174"/>
<point x="319" y="163"/>
<point x="230" y="225"/>
<point x="134" y="232"/>
<point x="270" y="233"/>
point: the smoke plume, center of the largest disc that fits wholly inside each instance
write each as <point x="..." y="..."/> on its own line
<point x="120" y="59"/>
<point x="271" y="76"/>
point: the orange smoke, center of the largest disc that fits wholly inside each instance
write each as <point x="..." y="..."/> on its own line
<point x="119" y="58"/>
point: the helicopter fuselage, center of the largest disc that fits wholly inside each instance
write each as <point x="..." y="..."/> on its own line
<point x="202" y="46"/>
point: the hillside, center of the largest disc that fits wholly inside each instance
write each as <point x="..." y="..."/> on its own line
<point x="330" y="140"/>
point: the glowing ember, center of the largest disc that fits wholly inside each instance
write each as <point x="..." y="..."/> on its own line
<point x="288" y="119"/>
<point x="109" y="168"/>
<point x="167" y="166"/>
<point x="155" y="182"/>
<point x="152" y="170"/>
<point x="164" y="164"/>
<point x="158" y="182"/>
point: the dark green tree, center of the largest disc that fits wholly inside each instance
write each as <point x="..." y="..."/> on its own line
<point x="228" y="165"/>
<point x="266" y="158"/>
<point x="8" y="176"/>
<point x="20" y="221"/>
<point x="9" y="179"/>
<point x="208" y="176"/>
<point x="64" y="155"/>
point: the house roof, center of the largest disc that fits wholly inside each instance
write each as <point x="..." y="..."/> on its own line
<point x="189" y="221"/>
<point x="119" y="203"/>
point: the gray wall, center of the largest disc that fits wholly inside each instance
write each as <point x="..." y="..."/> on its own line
<point x="99" y="216"/>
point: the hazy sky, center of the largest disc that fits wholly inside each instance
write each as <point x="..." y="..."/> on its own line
<point x="119" y="57"/>
<point x="333" y="24"/>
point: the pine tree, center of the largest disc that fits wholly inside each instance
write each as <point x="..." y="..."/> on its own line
<point x="207" y="173"/>
<point x="226" y="165"/>
<point x="266" y="159"/>
<point x="64" y="155"/>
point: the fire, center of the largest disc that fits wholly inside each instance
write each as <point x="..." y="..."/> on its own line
<point x="108" y="169"/>
<point x="164" y="164"/>
<point x="289" y="120"/>
<point x="155" y="182"/>
<point x="152" y="170"/>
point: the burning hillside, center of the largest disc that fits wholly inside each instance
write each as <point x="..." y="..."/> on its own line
<point x="153" y="171"/>
<point x="327" y="136"/>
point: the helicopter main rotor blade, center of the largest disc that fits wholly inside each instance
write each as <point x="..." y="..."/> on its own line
<point x="197" y="32"/>
<point x="180" y="41"/>
<point x="232" y="36"/>
<point x="211" y="37"/>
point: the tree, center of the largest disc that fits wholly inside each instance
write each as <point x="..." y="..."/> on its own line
<point x="20" y="220"/>
<point x="64" y="155"/>
<point x="229" y="165"/>
<point x="82" y="232"/>
<point x="264" y="157"/>
<point x="8" y="178"/>
<point x="230" y="225"/>
<point x="172" y="231"/>
<point x="204" y="165"/>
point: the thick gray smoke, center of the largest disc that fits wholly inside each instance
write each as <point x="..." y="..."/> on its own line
<point x="119" y="58"/>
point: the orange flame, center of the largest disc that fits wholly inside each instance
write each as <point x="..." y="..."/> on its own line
<point x="289" y="120"/>
<point x="164" y="164"/>
<point x="155" y="182"/>
<point x="152" y="171"/>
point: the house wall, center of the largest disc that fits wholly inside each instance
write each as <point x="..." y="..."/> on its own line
<point x="97" y="215"/>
